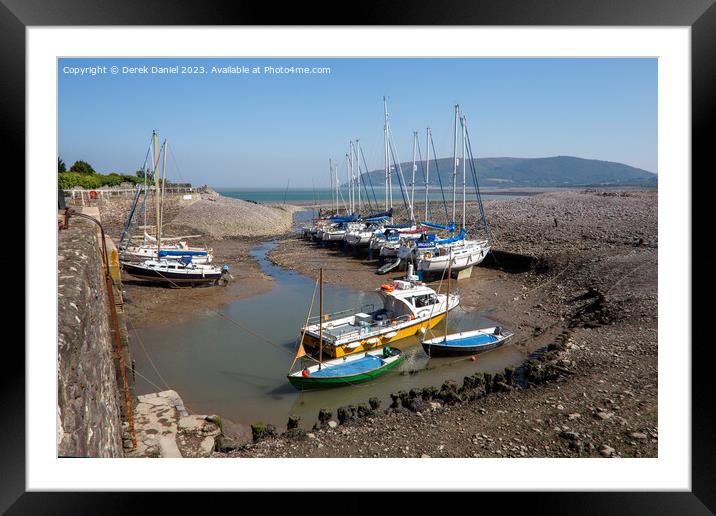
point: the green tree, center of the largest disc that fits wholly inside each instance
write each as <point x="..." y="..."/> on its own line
<point x="82" y="167"/>
<point x="61" y="165"/>
<point x="140" y="174"/>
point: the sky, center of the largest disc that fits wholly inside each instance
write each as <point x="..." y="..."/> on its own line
<point x="259" y="127"/>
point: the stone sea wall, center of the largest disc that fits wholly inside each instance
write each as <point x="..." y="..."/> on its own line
<point x="88" y="404"/>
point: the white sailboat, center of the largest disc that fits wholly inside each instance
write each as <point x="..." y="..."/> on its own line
<point x="167" y="268"/>
<point x="147" y="249"/>
<point x="457" y="252"/>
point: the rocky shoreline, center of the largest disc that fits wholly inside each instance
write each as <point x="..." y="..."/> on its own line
<point x="586" y="309"/>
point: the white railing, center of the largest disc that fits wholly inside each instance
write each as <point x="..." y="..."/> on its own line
<point x="86" y="197"/>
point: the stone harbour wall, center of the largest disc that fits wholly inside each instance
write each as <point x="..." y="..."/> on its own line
<point x="88" y="403"/>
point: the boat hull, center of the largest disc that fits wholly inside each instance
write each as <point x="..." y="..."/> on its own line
<point x="472" y="345"/>
<point x="168" y="276"/>
<point x="362" y="344"/>
<point x="358" y="240"/>
<point x="460" y="261"/>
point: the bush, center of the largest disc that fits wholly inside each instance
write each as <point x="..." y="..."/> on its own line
<point x="67" y="180"/>
<point x="82" y="167"/>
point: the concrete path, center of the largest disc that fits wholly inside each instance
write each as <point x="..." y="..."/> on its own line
<point x="164" y="428"/>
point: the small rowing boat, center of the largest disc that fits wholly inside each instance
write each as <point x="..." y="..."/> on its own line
<point x="347" y="370"/>
<point x="468" y="342"/>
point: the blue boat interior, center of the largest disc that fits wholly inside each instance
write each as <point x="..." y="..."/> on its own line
<point x="362" y="365"/>
<point x="477" y="340"/>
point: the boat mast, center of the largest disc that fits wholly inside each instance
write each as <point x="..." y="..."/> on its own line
<point x="427" y="170"/>
<point x="350" y="186"/>
<point x="156" y="180"/>
<point x="146" y="193"/>
<point x="462" y="124"/>
<point x="320" y="320"/>
<point x="335" y="174"/>
<point x="454" y="162"/>
<point x="412" y="182"/>
<point x="355" y="150"/>
<point x="385" y="141"/>
<point x="447" y="298"/>
<point x="330" y="176"/>
<point x="161" y="205"/>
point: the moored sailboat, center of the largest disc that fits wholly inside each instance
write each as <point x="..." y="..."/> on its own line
<point x="173" y="264"/>
<point x="179" y="271"/>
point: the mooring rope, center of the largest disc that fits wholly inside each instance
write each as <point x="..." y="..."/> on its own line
<point x="141" y="343"/>
<point x="233" y="321"/>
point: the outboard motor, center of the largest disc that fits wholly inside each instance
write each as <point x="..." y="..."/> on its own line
<point x="225" y="276"/>
<point x="410" y="274"/>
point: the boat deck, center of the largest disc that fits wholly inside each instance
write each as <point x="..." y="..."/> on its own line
<point x="353" y="367"/>
<point x="475" y="340"/>
<point x="369" y="323"/>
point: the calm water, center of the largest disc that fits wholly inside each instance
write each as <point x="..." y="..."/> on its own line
<point x="219" y="367"/>
<point x="324" y="195"/>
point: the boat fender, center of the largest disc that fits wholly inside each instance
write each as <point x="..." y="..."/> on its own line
<point x="387" y="287"/>
<point x="305" y="373"/>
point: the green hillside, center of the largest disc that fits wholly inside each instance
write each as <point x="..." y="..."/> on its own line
<point x="558" y="171"/>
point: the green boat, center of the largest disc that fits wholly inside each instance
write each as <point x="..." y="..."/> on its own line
<point x="347" y="370"/>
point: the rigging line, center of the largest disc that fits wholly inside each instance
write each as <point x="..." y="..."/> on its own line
<point x="422" y="169"/>
<point x="134" y="371"/>
<point x="473" y="168"/>
<point x="551" y="279"/>
<point x="365" y="164"/>
<point x="437" y="171"/>
<point x="432" y="309"/>
<point x="624" y="276"/>
<point x="141" y="343"/>
<point x="251" y="332"/>
<point x="176" y="164"/>
<point x="400" y="182"/>
<point x="365" y="189"/>
<point x="340" y="192"/>
<point x="308" y="317"/>
<point x="128" y="226"/>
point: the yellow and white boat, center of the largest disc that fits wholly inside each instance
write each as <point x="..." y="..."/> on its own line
<point x="409" y="308"/>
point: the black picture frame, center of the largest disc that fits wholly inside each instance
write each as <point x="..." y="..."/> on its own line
<point x="700" y="15"/>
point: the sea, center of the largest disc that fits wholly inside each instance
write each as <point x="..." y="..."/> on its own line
<point x="309" y="196"/>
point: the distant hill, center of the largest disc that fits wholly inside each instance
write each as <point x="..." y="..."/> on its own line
<point x="557" y="171"/>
